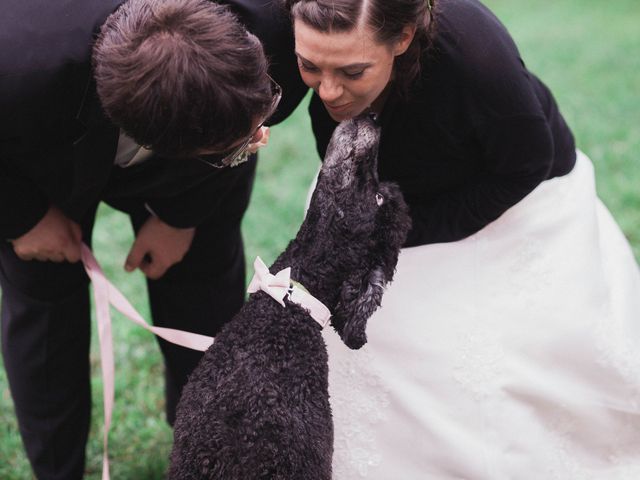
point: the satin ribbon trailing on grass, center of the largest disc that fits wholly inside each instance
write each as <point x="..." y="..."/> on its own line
<point x="106" y="294"/>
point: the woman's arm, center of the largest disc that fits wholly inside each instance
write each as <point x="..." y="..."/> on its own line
<point x="517" y="154"/>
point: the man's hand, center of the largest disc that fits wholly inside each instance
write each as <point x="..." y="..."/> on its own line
<point x="157" y="247"/>
<point x="55" y="238"/>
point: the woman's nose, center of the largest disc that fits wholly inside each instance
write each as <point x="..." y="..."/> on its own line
<point x="330" y="90"/>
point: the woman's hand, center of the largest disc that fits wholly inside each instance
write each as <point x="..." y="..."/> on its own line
<point x="54" y="238"/>
<point x="157" y="247"/>
<point x="261" y="139"/>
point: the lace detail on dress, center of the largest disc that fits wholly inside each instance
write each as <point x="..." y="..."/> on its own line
<point x="359" y="401"/>
<point x="616" y="349"/>
<point x="529" y="273"/>
<point x="480" y="362"/>
<point x="615" y="340"/>
<point x="624" y="452"/>
<point x="563" y="463"/>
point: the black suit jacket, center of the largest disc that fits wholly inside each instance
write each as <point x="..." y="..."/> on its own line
<point x="56" y="145"/>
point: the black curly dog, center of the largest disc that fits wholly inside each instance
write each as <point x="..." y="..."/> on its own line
<point x="257" y="405"/>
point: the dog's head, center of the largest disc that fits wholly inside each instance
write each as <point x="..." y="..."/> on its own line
<point x="356" y="226"/>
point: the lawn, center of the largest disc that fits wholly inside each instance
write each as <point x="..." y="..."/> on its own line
<point x="588" y="53"/>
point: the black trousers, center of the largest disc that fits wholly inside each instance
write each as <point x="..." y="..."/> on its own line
<point x="45" y="317"/>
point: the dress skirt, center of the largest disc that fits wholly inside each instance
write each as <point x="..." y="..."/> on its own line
<point x="513" y="354"/>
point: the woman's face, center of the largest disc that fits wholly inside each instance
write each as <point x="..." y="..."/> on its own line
<point x="348" y="70"/>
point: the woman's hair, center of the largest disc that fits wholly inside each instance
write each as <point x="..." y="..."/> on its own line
<point x="386" y="18"/>
<point x="180" y="75"/>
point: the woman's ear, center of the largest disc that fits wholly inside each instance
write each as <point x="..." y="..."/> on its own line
<point x="406" y="37"/>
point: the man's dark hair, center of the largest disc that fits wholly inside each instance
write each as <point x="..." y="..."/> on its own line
<point x="179" y="76"/>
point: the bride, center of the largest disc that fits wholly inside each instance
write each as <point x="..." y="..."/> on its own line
<point x="507" y="346"/>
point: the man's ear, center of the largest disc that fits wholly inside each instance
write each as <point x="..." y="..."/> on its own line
<point x="406" y="37"/>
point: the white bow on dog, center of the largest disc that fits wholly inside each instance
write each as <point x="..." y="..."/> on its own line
<point x="280" y="285"/>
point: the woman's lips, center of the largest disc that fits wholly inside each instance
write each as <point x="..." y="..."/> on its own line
<point x="338" y="108"/>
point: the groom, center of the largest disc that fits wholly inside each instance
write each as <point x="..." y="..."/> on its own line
<point x="184" y="79"/>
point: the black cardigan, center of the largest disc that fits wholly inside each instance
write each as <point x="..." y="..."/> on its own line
<point x="476" y="133"/>
<point x="57" y="149"/>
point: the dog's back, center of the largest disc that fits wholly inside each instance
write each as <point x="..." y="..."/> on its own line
<point x="256" y="407"/>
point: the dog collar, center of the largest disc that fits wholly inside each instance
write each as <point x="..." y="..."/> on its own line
<point x="280" y="286"/>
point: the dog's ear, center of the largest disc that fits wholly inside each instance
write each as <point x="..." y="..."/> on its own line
<point x="361" y="293"/>
<point x="360" y="296"/>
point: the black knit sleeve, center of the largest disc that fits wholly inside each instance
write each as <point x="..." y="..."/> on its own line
<point x="499" y="117"/>
<point x="516" y="158"/>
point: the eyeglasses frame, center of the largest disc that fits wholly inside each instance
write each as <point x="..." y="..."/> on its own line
<point x="240" y="154"/>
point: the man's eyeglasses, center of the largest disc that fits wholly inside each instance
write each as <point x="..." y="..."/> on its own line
<point x="240" y="154"/>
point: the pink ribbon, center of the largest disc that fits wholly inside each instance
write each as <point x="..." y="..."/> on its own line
<point x="105" y="294"/>
<point x="279" y="286"/>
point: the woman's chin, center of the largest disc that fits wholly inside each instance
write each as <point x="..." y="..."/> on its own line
<point x="339" y="117"/>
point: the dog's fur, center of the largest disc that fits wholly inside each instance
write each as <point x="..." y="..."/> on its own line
<point x="257" y="405"/>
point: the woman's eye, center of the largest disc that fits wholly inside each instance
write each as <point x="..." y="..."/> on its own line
<point x="353" y="75"/>
<point x="307" y="67"/>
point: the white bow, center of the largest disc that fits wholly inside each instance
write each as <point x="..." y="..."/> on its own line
<point x="278" y="286"/>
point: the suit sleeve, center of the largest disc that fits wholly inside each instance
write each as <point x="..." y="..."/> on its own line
<point x="21" y="206"/>
<point x="220" y="194"/>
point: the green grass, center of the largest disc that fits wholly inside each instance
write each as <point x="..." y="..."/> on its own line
<point x="588" y="52"/>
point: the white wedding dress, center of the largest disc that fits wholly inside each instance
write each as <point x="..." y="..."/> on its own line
<point x="513" y="354"/>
